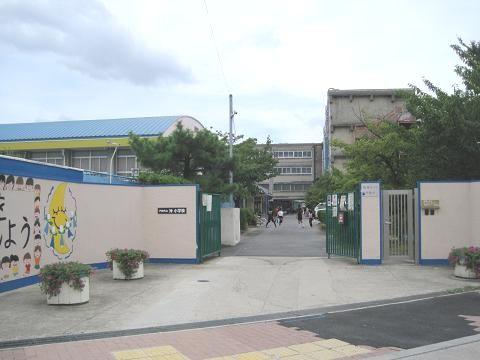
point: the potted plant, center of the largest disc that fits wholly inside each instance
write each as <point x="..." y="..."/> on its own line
<point x="466" y="261"/>
<point x="127" y="264"/>
<point x="66" y="283"/>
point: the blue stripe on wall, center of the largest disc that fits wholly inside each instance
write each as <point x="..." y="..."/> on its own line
<point x="434" y="262"/>
<point x="371" y="262"/>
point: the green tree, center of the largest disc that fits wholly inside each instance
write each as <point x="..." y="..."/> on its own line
<point x="330" y="182"/>
<point x="387" y="152"/>
<point x="200" y="157"/>
<point x="252" y="165"/>
<point x="449" y="124"/>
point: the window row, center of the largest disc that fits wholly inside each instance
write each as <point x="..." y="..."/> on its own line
<point x="294" y="170"/>
<point x="92" y="160"/>
<point x="292" y="154"/>
<point x="290" y="187"/>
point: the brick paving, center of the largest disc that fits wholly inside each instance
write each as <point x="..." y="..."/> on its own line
<point x="263" y="340"/>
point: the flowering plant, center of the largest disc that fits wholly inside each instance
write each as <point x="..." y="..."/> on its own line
<point x="52" y="276"/>
<point x="468" y="256"/>
<point x="128" y="260"/>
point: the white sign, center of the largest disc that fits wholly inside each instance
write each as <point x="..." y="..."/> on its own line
<point x="351" y="199"/>
<point x="329" y="200"/>
<point x="334" y="211"/>
<point x="370" y="189"/>
<point x="334" y="200"/>
<point x="343" y="200"/>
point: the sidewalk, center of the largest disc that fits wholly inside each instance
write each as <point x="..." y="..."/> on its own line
<point x="222" y="288"/>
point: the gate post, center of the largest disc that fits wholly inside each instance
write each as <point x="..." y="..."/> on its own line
<point x="371" y="224"/>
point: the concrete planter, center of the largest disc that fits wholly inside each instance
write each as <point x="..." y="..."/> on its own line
<point x="118" y="274"/>
<point x="70" y="296"/>
<point x="461" y="271"/>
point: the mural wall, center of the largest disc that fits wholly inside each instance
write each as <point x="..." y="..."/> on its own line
<point x="43" y="221"/>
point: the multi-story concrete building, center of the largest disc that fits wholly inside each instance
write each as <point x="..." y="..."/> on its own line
<point x="298" y="166"/>
<point x="96" y="145"/>
<point x="348" y="110"/>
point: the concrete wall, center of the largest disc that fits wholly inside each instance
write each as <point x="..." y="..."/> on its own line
<point x="371" y="223"/>
<point x="230" y="226"/>
<point x="48" y="221"/>
<point x="455" y="224"/>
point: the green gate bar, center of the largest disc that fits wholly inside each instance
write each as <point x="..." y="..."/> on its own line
<point x="210" y="227"/>
<point x="343" y="224"/>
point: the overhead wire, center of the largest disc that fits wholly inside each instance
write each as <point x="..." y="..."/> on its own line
<point x="212" y="32"/>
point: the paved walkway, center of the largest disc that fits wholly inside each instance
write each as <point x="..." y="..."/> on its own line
<point x="288" y="239"/>
<point x="356" y="332"/>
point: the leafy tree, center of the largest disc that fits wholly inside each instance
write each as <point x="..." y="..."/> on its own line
<point x="386" y="151"/>
<point x="252" y="165"/>
<point x="332" y="181"/>
<point x="449" y="124"/>
<point x="443" y="144"/>
<point x="200" y="157"/>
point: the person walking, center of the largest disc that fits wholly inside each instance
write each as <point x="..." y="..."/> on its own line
<point x="300" y="216"/>
<point x="270" y="218"/>
<point x="310" y="217"/>
<point x="280" y="217"/>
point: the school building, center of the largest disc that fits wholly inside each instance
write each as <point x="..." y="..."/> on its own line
<point x="95" y="145"/>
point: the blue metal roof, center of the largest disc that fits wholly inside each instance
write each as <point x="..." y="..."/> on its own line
<point x="81" y="129"/>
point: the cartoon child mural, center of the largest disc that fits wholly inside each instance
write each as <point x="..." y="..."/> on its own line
<point x="2" y="182"/>
<point x="37" y="254"/>
<point x="62" y="221"/>
<point x="36" y="204"/>
<point x="29" y="184"/>
<point x="5" y="267"/>
<point x="37" y="232"/>
<point x="27" y="263"/>
<point x="14" y="264"/>
<point x="19" y="184"/>
<point x="10" y="182"/>
<point x="36" y="190"/>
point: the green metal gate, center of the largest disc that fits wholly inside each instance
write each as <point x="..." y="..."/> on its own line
<point x="210" y="225"/>
<point x="343" y="224"/>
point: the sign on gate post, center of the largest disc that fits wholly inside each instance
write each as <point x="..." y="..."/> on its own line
<point x="371" y="223"/>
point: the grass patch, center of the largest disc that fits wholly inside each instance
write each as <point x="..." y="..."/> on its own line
<point x="463" y="289"/>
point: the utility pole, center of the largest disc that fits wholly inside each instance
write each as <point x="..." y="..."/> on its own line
<point x="230" y="142"/>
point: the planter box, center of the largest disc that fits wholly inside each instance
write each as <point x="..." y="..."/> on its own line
<point x="118" y="274"/>
<point x="70" y="296"/>
<point x="461" y="271"/>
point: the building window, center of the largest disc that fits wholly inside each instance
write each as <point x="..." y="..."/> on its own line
<point x="126" y="161"/>
<point x="292" y="154"/>
<point x="295" y="170"/>
<point x="50" y="157"/>
<point x="285" y="187"/>
<point x="93" y="160"/>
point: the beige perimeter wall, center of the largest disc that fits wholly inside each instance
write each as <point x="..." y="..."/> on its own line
<point x="455" y="224"/>
<point x="49" y="221"/>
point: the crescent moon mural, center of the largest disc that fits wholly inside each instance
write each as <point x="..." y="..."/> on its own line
<point x="61" y="221"/>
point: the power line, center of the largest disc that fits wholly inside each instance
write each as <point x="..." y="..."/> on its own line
<point x="216" y="48"/>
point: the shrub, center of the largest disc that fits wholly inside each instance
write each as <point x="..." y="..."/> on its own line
<point x="321" y="216"/>
<point x="128" y="260"/>
<point x="468" y="256"/>
<point x="52" y="276"/>
<point x="247" y="217"/>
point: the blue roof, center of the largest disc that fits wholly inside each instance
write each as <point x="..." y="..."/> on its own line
<point x="81" y="129"/>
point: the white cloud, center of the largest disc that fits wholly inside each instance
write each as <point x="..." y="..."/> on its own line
<point x="87" y="38"/>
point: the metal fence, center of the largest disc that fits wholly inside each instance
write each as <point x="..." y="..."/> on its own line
<point x="210" y="225"/>
<point x="342" y="220"/>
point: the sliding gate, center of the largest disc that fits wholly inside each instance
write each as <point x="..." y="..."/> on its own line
<point x="210" y="226"/>
<point x="343" y="224"/>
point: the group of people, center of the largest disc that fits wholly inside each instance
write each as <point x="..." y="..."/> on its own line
<point x="275" y="216"/>
<point x="305" y="213"/>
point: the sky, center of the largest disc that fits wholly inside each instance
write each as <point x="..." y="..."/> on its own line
<point x="100" y="59"/>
